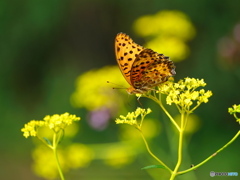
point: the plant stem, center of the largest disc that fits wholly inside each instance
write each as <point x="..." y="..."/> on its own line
<point x="150" y="152"/>
<point x="170" y="117"/>
<point x="210" y="157"/>
<point x="55" y="143"/>
<point x="163" y="108"/>
<point x="180" y="147"/>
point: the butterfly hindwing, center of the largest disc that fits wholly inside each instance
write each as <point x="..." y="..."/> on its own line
<point x="158" y="72"/>
<point x="142" y="61"/>
<point x="150" y="69"/>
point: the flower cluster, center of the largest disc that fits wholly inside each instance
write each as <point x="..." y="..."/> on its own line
<point x="167" y="29"/>
<point x="55" y="122"/>
<point x="131" y="118"/>
<point x="235" y="109"/>
<point x="184" y="93"/>
<point x="30" y="129"/>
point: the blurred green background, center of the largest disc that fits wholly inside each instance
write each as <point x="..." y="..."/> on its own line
<point x="46" y="45"/>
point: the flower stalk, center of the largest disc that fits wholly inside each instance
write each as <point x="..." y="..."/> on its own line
<point x="56" y="139"/>
<point x="57" y="124"/>
<point x="150" y="152"/>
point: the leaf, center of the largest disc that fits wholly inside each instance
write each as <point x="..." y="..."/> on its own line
<point x="153" y="166"/>
<point x="47" y="141"/>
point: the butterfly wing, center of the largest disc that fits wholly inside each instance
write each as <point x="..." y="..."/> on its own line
<point x="158" y="72"/>
<point x="142" y="61"/>
<point x="150" y="69"/>
<point x="126" y="51"/>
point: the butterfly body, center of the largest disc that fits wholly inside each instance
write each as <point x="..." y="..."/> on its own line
<point x="142" y="68"/>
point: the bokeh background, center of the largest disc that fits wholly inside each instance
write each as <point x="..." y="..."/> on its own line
<point x="46" y="49"/>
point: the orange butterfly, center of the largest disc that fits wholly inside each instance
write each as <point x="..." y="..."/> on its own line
<point x="142" y="68"/>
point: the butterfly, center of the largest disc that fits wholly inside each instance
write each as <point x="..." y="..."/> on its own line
<point x="142" y="68"/>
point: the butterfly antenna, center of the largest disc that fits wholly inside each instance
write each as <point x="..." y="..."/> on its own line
<point x="120" y="86"/>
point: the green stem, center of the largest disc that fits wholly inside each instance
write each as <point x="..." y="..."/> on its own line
<point x="166" y="112"/>
<point x="180" y="148"/>
<point x="210" y="157"/>
<point x="193" y="109"/>
<point x="150" y="152"/>
<point x="235" y="115"/>
<point x="55" y="143"/>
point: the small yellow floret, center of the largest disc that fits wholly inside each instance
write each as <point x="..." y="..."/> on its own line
<point x="131" y="117"/>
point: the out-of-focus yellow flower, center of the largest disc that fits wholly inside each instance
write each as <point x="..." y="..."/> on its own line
<point x="118" y="156"/>
<point x="166" y="32"/>
<point x="168" y="23"/>
<point x="74" y="156"/>
<point x="78" y="155"/>
<point x="151" y="128"/>
<point x="184" y="93"/>
<point x="44" y="163"/>
<point x="55" y="122"/>
<point x="71" y="131"/>
<point x="131" y="118"/>
<point x="93" y="91"/>
<point x="171" y="46"/>
<point x="193" y="123"/>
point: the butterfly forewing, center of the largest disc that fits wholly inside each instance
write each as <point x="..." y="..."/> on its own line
<point x="126" y="51"/>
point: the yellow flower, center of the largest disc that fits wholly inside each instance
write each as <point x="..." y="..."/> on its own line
<point x="184" y="93"/>
<point x="58" y="122"/>
<point x="93" y="92"/>
<point x="55" y="122"/>
<point x="234" y="110"/>
<point x="30" y="129"/>
<point x="131" y="117"/>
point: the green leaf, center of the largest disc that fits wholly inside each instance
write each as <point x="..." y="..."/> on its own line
<point x="153" y="166"/>
<point x="47" y="141"/>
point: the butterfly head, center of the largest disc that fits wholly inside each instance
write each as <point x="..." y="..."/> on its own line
<point x="173" y="72"/>
<point x="131" y="90"/>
